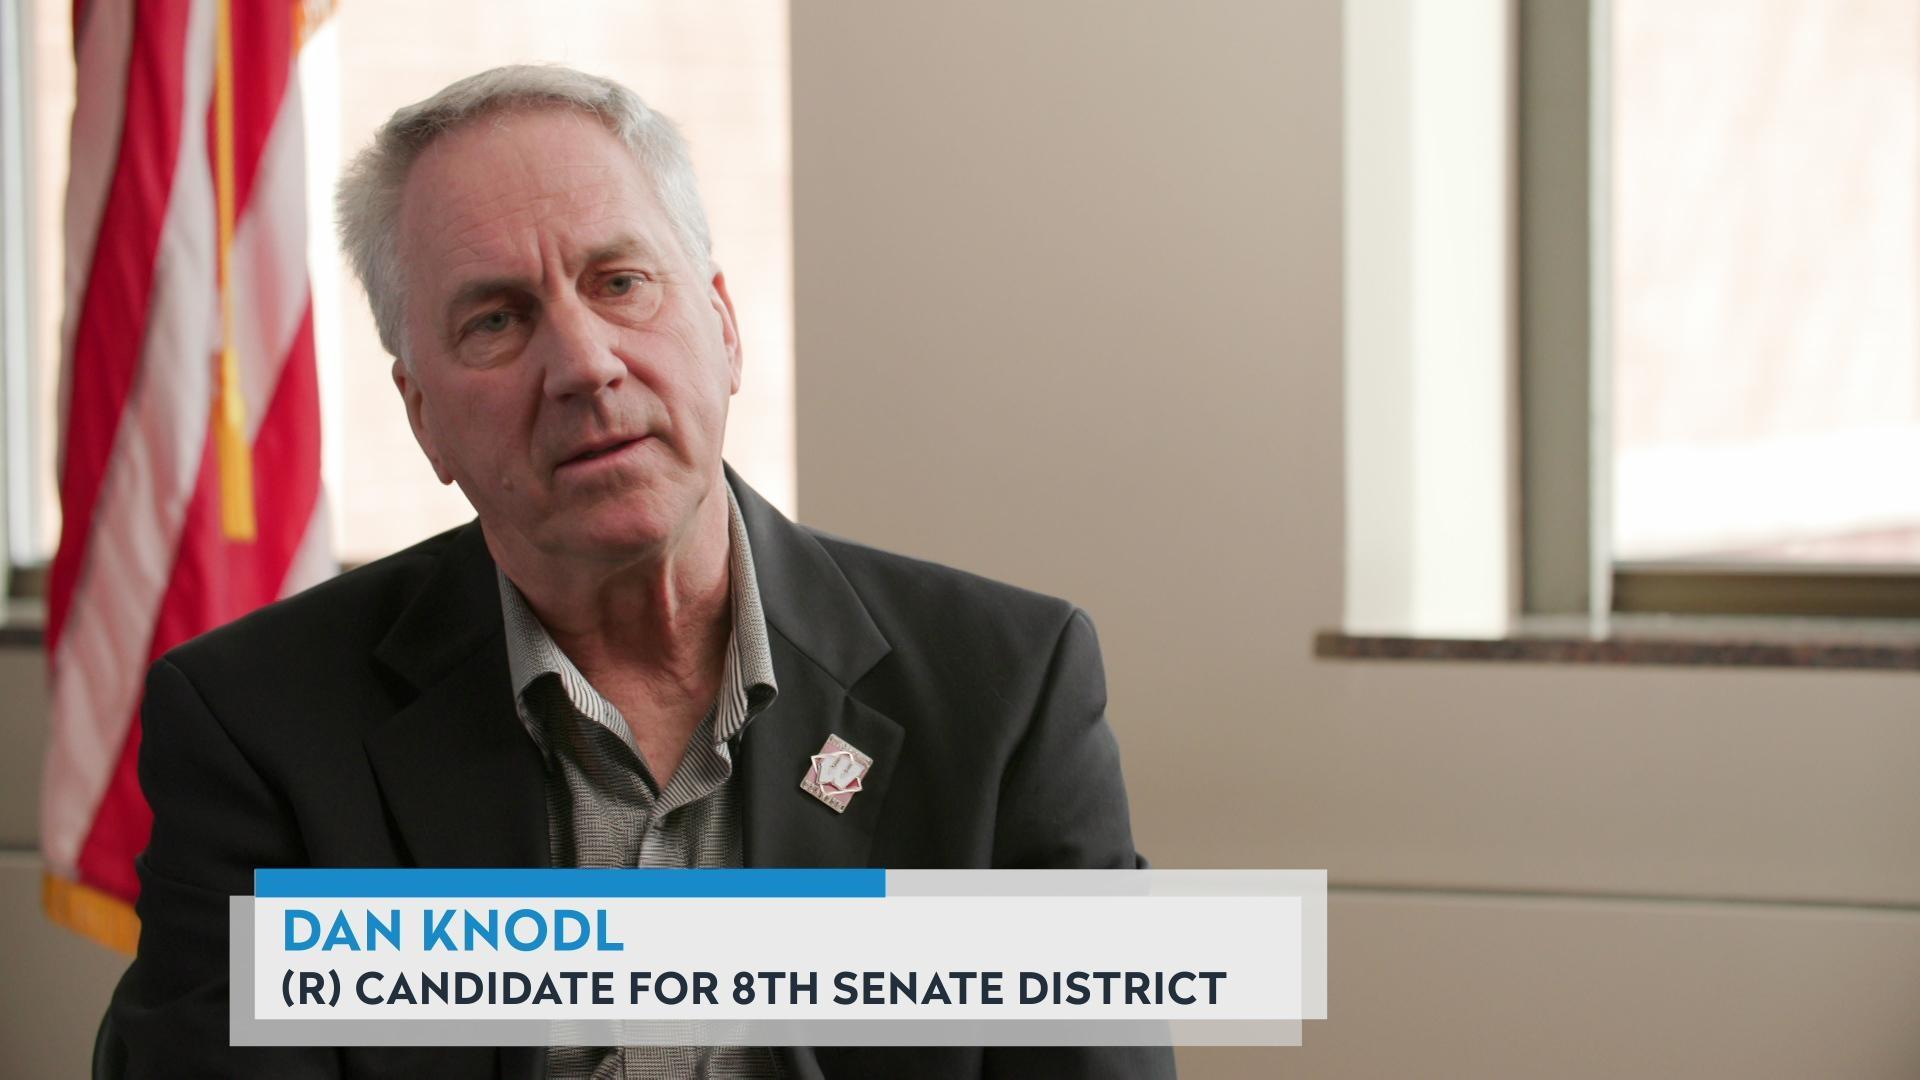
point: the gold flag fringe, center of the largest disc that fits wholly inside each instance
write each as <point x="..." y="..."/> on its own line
<point x="91" y="913"/>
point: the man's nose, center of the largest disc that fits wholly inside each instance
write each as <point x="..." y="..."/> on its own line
<point x="577" y="352"/>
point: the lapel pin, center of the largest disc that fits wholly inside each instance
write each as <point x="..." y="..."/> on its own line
<point x="835" y="774"/>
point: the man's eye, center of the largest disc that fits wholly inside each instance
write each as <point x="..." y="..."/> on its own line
<point x="622" y="284"/>
<point x="493" y="322"/>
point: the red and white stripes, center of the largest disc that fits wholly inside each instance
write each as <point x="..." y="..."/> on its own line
<point x="143" y="562"/>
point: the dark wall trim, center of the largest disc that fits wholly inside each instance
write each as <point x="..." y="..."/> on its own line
<point x="1669" y="652"/>
<point x="1837" y="593"/>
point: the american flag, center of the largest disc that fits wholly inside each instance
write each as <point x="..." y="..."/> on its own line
<point x="189" y="408"/>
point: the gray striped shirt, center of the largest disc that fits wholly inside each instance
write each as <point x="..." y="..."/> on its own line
<point x="606" y="809"/>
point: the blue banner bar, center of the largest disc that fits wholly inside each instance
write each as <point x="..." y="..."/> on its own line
<point x="482" y="884"/>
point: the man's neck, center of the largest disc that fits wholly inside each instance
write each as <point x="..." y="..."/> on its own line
<point x="660" y="621"/>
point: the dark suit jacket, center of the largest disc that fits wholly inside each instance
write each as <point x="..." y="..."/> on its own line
<point x="369" y="722"/>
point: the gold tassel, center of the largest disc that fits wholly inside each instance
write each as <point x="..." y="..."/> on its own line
<point x="230" y="410"/>
<point x="85" y="910"/>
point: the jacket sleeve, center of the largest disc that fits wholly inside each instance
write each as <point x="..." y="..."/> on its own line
<point x="215" y="819"/>
<point x="1063" y="805"/>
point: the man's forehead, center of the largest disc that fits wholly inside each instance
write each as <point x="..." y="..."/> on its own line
<point x="492" y="187"/>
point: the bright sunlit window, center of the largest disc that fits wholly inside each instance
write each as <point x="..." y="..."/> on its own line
<point x="1765" y="281"/>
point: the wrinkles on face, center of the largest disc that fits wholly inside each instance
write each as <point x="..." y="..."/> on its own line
<point x="592" y="329"/>
<point x="511" y="233"/>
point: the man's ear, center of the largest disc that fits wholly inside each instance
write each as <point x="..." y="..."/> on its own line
<point x="729" y="331"/>
<point x="416" y="404"/>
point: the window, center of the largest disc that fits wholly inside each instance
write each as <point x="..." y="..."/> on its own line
<point x="719" y="69"/>
<point x="1720" y="306"/>
<point x="37" y="55"/>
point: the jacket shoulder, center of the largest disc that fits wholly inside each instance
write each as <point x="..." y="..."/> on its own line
<point x="913" y="598"/>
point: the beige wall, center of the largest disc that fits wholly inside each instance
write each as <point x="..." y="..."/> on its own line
<point x="1068" y="294"/>
<point x="1068" y="290"/>
<point x="53" y="985"/>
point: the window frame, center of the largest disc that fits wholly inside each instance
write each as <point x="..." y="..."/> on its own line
<point x="1562" y="189"/>
<point x="18" y="457"/>
<point x="1560" y="194"/>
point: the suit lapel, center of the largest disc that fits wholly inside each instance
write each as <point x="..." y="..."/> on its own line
<point x="463" y="781"/>
<point x="461" y="778"/>
<point x="805" y="595"/>
<point x="784" y="825"/>
<point x="823" y="640"/>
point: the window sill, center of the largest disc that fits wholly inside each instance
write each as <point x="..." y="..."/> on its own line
<point x="23" y="624"/>
<point x="1665" y="641"/>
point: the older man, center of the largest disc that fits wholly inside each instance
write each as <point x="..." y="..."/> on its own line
<point x="630" y="659"/>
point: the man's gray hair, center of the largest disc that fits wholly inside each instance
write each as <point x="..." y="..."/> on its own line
<point x="368" y="200"/>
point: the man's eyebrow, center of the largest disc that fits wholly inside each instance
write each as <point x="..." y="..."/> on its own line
<point x="480" y="289"/>
<point x="623" y="247"/>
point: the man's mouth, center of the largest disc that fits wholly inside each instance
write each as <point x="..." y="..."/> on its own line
<point x="601" y="450"/>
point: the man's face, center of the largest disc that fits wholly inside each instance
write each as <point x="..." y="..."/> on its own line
<point x="570" y="364"/>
